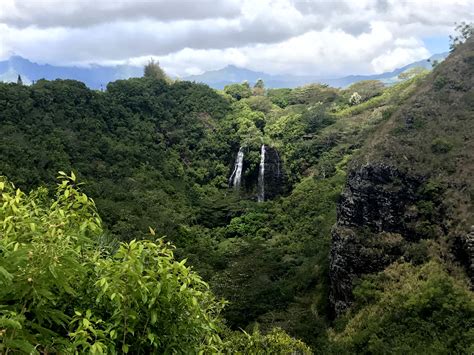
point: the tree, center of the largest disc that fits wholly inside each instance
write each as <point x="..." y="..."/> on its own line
<point x="355" y="99"/>
<point x="238" y="91"/>
<point x="154" y="71"/>
<point x="434" y="63"/>
<point x="366" y="89"/>
<point x="412" y="72"/>
<point x="259" y="88"/>
<point x="19" y="81"/>
<point x="464" y="31"/>
<point x="62" y="292"/>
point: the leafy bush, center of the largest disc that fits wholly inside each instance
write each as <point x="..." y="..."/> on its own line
<point x="238" y="91"/>
<point x="355" y="99"/>
<point x="366" y="89"/>
<point x="60" y="293"/>
<point x="280" y="97"/>
<point x="63" y="290"/>
<point x="441" y="146"/>
<point x="275" y="342"/>
<point x="409" y="309"/>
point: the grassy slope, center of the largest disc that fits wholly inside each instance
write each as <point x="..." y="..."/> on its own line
<point x="431" y="135"/>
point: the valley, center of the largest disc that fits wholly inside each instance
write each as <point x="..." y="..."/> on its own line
<point x="275" y="220"/>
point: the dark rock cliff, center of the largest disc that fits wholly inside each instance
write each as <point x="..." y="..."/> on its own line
<point x="275" y="183"/>
<point x="373" y="225"/>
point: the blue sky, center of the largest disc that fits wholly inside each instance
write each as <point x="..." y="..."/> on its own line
<point x="437" y="44"/>
<point x="306" y="37"/>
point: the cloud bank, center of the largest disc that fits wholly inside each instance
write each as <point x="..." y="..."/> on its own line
<point x="190" y="36"/>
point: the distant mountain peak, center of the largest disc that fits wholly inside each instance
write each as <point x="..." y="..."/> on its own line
<point x="94" y="76"/>
<point x="97" y="76"/>
<point x="233" y="74"/>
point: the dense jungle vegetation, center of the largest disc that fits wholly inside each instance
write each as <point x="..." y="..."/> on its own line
<point x="142" y="247"/>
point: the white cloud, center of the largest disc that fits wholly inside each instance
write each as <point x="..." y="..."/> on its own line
<point x="398" y="57"/>
<point x="188" y="36"/>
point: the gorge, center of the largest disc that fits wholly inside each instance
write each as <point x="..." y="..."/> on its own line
<point x="164" y="216"/>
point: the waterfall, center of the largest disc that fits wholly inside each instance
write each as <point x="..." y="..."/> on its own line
<point x="261" y="176"/>
<point x="236" y="176"/>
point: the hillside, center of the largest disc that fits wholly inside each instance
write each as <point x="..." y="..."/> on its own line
<point x="341" y="222"/>
<point x="408" y="200"/>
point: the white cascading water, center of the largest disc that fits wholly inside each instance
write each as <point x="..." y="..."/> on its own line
<point x="261" y="176"/>
<point x="236" y="177"/>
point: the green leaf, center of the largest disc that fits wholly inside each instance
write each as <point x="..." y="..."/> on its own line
<point x="22" y="345"/>
<point x="154" y="317"/>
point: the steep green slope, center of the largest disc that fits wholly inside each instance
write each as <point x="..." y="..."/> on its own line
<point x="406" y="210"/>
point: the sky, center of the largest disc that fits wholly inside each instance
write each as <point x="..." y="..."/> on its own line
<point x="303" y="37"/>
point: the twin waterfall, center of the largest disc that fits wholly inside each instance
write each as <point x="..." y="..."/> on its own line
<point x="261" y="176"/>
<point x="236" y="177"/>
<point x="268" y="179"/>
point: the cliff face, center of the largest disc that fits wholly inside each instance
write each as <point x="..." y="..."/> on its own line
<point x="413" y="181"/>
<point x="374" y="225"/>
<point x="274" y="177"/>
<point x="275" y="182"/>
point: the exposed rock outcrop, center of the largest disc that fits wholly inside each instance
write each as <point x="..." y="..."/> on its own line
<point x="274" y="177"/>
<point x="373" y="224"/>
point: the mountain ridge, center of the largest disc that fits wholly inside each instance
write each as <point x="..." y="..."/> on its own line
<point x="98" y="76"/>
<point x="230" y="74"/>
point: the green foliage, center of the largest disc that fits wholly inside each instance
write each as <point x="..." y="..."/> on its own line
<point x="142" y="146"/>
<point x="440" y="82"/>
<point x="366" y="89"/>
<point x="313" y="94"/>
<point x="153" y="71"/>
<point x="408" y="309"/>
<point x="44" y="249"/>
<point x="280" y="97"/>
<point x="238" y="91"/>
<point x="259" y="88"/>
<point x="143" y="291"/>
<point x="412" y="72"/>
<point x="440" y="146"/>
<point x="61" y="292"/>
<point x="260" y="103"/>
<point x="275" y="342"/>
<point x="159" y="154"/>
<point x="355" y="99"/>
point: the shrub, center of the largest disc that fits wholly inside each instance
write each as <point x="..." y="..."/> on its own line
<point x="355" y="99"/>
<point x="409" y="309"/>
<point x="62" y="291"/>
<point x="275" y="342"/>
<point x="441" y="146"/>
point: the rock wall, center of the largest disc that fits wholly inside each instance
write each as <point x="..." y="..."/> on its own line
<point x="275" y="182"/>
<point x="373" y="225"/>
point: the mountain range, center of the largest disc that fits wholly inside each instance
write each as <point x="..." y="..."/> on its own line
<point x="98" y="76"/>
<point x="232" y="74"/>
